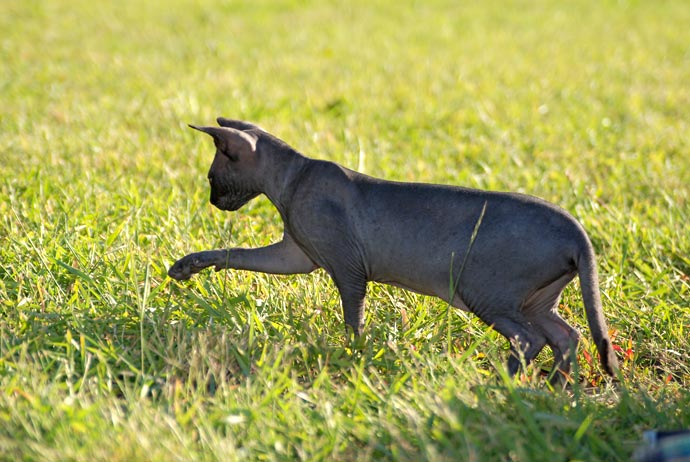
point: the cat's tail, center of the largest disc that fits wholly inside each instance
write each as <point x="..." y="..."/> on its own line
<point x="589" y="283"/>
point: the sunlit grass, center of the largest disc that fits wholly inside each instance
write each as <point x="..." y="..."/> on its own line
<point x="102" y="357"/>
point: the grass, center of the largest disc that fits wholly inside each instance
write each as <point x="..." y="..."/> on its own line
<point x="102" y="357"/>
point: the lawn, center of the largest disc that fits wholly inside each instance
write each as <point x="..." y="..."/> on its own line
<point x="103" y="187"/>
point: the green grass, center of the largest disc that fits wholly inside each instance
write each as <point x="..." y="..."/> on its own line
<point x="102" y="357"/>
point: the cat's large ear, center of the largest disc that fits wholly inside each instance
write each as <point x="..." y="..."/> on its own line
<point x="234" y="144"/>
<point x="237" y="124"/>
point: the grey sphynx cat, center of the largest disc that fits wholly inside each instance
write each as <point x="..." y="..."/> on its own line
<point x="505" y="257"/>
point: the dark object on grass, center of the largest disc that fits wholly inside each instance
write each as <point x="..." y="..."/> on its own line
<point x="505" y="257"/>
<point x="665" y="446"/>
